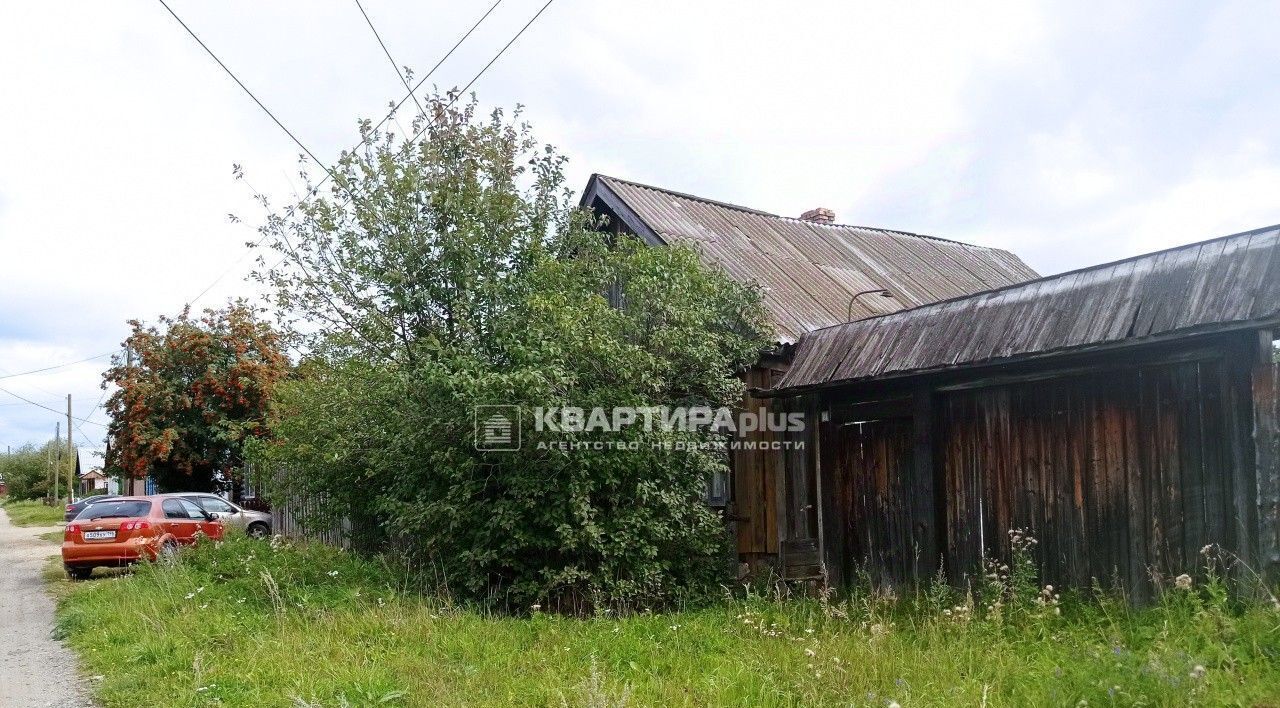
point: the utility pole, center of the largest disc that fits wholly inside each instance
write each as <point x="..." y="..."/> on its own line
<point x="52" y="477"/>
<point x="71" y="455"/>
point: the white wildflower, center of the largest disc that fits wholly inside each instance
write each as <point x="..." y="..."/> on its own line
<point x="1182" y="582"/>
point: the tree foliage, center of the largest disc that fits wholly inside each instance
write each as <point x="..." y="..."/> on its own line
<point x="26" y="470"/>
<point x="190" y="393"/>
<point x="461" y="274"/>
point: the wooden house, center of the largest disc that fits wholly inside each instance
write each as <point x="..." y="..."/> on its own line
<point x="1125" y="415"/>
<point x="813" y="273"/>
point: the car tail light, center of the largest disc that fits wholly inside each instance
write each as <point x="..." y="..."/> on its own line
<point x="71" y="507"/>
<point x="135" y="526"/>
<point x="72" y="530"/>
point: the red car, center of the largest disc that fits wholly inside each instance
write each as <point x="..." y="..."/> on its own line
<point x="129" y="529"/>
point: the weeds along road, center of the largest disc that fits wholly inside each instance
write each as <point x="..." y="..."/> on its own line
<point x="36" y="671"/>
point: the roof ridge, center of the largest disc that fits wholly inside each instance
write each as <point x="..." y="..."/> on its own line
<point x="1047" y="278"/>
<point x="758" y="212"/>
<point x="693" y="197"/>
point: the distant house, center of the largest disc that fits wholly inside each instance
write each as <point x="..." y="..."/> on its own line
<point x="814" y="273"/>
<point x="93" y="481"/>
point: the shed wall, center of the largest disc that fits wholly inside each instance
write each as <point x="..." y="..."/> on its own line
<point x="1122" y="474"/>
<point x="1119" y="476"/>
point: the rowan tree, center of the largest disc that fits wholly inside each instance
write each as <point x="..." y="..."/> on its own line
<point x="190" y="392"/>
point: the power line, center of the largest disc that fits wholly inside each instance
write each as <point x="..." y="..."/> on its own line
<point x="55" y="366"/>
<point x="329" y="173"/>
<point x="241" y="84"/>
<point x="399" y="74"/>
<point x="411" y="94"/>
<point x="96" y="406"/>
<point x="481" y="73"/>
<point x="51" y="410"/>
<point x="428" y="75"/>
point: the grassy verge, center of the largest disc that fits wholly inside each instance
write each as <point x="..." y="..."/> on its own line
<point x="251" y="623"/>
<point x="33" y="513"/>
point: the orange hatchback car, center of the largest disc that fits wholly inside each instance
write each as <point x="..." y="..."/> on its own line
<point x="129" y="529"/>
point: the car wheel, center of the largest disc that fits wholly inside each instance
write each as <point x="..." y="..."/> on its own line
<point x="258" y="530"/>
<point x="75" y="573"/>
<point x="168" y="554"/>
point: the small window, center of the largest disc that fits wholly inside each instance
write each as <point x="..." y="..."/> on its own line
<point x="192" y="510"/>
<point x="173" y="509"/>
<point x="214" y="505"/>
<point x="718" y="488"/>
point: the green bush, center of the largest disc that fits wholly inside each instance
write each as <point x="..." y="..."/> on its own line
<point x="505" y="295"/>
<point x="26" y="470"/>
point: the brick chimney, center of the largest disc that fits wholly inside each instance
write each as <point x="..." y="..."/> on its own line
<point x="821" y="215"/>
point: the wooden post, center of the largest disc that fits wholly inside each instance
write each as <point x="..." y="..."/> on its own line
<point x="51" y="474"/>
<point x="820" y="416"/>
<point x="71" y="456"/>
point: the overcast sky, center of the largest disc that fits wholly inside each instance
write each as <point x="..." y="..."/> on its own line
<point x="1071" y="132"/>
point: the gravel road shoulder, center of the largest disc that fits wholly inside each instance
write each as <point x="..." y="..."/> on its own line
<point x="36" y="671"/>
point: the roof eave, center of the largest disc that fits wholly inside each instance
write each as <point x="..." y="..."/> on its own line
<point x="1164" y="337"/>
<point x="598" y="189"/>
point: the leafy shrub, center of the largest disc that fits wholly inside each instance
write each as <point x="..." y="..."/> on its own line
<point x="26" y="470"/>
<point x="505" y="294"/>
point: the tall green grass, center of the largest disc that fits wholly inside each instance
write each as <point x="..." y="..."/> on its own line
<point x="269" y="624"/>
<point x="33" y="513"/>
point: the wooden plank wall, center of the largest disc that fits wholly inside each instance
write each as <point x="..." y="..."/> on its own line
<point x="871" y="499"/>
<point x="798" y="541"/>
<point x="756" y="482"/>
<point x="1117" y="475"/>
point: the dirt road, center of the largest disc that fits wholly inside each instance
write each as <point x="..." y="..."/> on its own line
<point x="35" y="670"/>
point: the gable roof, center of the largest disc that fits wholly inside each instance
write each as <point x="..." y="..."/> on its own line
<point x="1224" y="283"/>
<point x="809" y="272"/>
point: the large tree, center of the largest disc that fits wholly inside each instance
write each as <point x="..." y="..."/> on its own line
<point x="190" y="392"/>
<point x="456" y="271"/>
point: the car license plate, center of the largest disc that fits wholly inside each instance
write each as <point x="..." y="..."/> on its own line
<point x="99" y="535"/>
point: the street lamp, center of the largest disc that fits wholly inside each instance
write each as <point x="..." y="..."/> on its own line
<point x="881" y="291"/>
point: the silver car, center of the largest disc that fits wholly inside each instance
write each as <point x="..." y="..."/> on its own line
<point x="255" y="523"/>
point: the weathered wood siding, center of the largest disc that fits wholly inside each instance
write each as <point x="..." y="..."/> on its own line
<point x="1121" y="473"/>
<point x="756" y="481"/>
<point x="287" y="520"/>
<point x="1116" y="475"/>
<point x="872" y="497"/>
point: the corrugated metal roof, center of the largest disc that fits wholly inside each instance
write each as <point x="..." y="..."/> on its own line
<point x="1233" y="279"/>
<point x="809" y="271"/>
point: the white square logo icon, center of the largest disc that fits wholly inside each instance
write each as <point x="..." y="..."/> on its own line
<point x="497" y="428"/>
